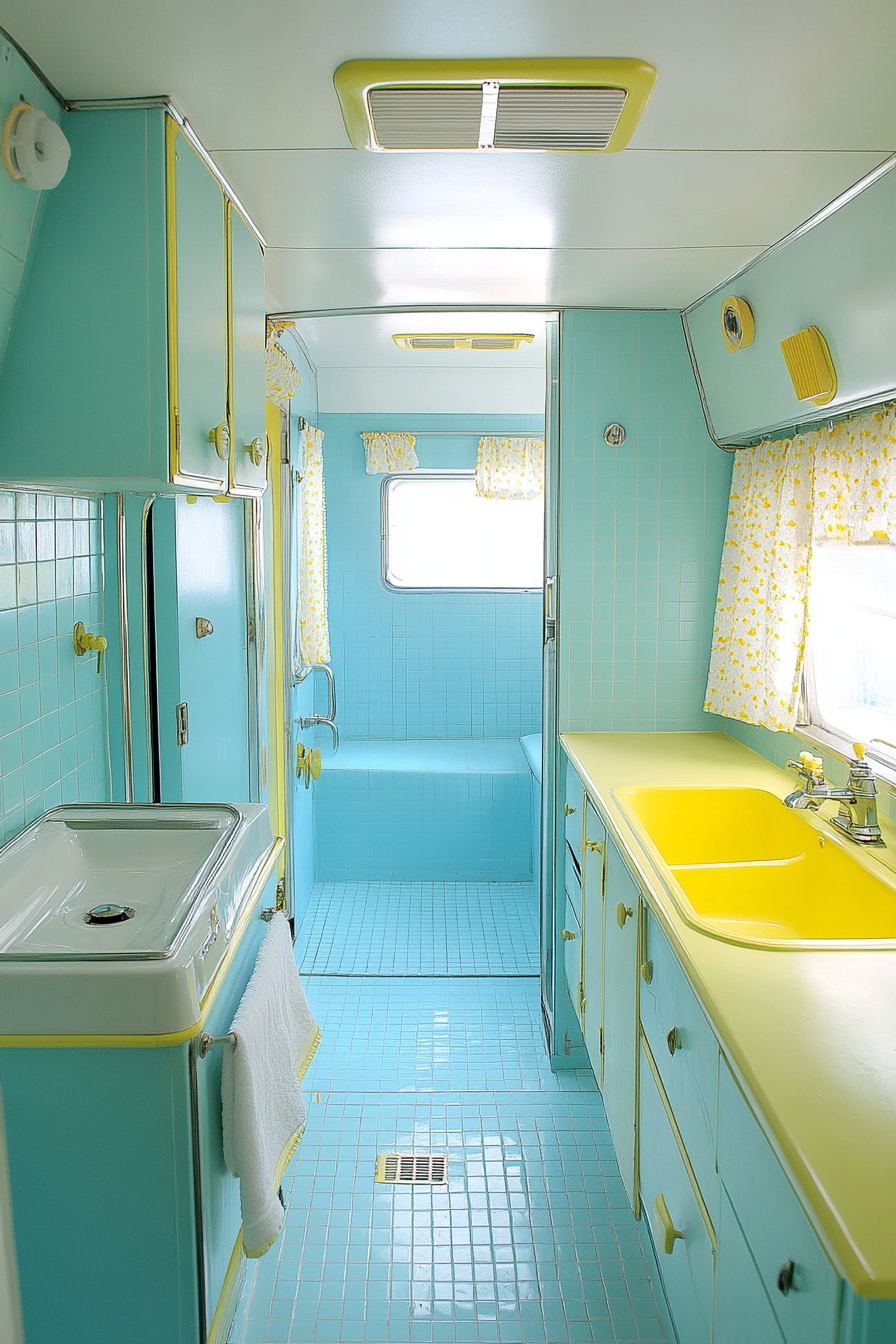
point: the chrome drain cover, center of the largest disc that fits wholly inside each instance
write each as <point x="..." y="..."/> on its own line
<point x="109" y="914"/>
<point x="411" y="1169"/>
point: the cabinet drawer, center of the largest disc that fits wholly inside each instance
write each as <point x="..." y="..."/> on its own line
<point x="774" y="1224"/>
<point x="686" y="1053"/>
<point x="686" y="1263"/>
<point x="574" y="808"/>
<point x="743" y="1313"/>
<point x="572" y="957"/>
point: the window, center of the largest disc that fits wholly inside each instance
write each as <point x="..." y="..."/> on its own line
<point x="438" y="535"/>
<point x="850" y="687"/>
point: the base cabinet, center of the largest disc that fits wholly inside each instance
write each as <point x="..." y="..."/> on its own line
<point x="743" y="1313"/>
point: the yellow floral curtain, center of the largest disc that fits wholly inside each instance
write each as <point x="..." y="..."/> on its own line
<point x="831" y="486"/>
<point x="312" y="626"/>
<point x="510" y="468"/>
<point x="281" y="375"/>
<point x="389" y="452"/>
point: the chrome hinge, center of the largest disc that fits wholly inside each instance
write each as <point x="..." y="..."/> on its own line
<point x="601" y="1041"/>
<point x="281" y="894"/>
<point x="182" y="715"/>
<point x="567" y="1044"/>
<point x="250" y="631"/>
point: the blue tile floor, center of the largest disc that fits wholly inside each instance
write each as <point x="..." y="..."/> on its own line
<point x="420" y="928"/>
<point x="532" y="1241"/>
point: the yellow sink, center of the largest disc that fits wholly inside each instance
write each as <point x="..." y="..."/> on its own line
<point x="745" y="868"/>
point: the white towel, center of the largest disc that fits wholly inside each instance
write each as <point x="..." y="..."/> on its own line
<point x="263" y="1110"/>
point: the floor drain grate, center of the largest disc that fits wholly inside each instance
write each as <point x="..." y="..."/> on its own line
<point x="411" y="1169"/>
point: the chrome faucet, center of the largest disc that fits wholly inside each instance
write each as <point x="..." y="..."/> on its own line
<point x="857" y="817"/>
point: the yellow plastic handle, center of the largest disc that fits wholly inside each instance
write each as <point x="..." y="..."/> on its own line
<point x="255" y="452"/>
<point x="623" y="912"/>
<point x="671" y="1234"/>
<point x="220" y="437"/>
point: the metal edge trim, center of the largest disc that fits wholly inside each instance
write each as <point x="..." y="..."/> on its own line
<point x="205" y="1004"/>
<point x="64" y="103"/>
<point x="698" y="380"/>
<point x="125" y="653"/>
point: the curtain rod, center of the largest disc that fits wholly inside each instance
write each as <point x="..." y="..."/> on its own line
<point x="466" y="433"/>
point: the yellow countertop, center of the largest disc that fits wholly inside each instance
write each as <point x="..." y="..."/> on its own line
<point x="811" y="1034"/>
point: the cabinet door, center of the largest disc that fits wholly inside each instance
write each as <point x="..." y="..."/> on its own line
<point x="677" y="1224"/>
<point x="620" y="1011"/>
<point x="248" y="455"/>
<point x="575" y="802"/>
<point x="593" y="863"/>
<point x="743" y="1313"/>
<point x="197" y="295"/>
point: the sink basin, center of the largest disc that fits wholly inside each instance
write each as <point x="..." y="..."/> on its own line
<point x="114" y="918"/>
<point x="743" y="867"/>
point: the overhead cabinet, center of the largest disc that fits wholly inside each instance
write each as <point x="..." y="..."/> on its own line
<point x="137" y="359"/>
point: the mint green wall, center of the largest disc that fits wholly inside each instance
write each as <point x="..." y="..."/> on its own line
<point x="641" y="527"/>
<point x="53" y="717"/>
<point x="20" y="208"/>
<point x="839" y="276"/>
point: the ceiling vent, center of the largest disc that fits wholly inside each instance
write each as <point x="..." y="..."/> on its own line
<point x="560" y="105"/>
<point x="448" y="340"/>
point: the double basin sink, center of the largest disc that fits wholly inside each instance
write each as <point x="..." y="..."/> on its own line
<point x="741" y="866"/>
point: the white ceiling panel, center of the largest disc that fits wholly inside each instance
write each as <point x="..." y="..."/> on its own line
<point x="318" y="280"/>
<point x="648" y="199"/>
<point x="365" y="340"/>
<point x="750" y="75"/>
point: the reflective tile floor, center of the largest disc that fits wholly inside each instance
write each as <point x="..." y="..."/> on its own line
<point x="532" y="1240"/>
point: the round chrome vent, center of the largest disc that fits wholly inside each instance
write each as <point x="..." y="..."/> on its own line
<point x="109" y="914"/>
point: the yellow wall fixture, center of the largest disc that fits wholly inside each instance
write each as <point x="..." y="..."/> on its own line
<point x="85" y="642"/>
<point x="738" y="324"/>
<point x="810" y="366"/>
<point x="462" y="340"/>
<point x="35" y="150"/>
<point x="560" y="104"/>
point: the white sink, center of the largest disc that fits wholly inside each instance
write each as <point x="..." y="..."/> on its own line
<point x="114" y="917"/>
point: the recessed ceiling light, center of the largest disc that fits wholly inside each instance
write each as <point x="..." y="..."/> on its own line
<point x="464" y="340"/>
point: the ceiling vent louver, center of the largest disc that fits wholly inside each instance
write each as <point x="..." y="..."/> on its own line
<point x="449" y="340"/>
<point x="561" y="105"/>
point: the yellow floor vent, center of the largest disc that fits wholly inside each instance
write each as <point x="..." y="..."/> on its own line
<point x="560" y="104"/>
<point x="411" y="1169"/>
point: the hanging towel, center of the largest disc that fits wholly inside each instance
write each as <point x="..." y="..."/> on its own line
<point x="389" y="452"/>
<point x="263" y="1112"/>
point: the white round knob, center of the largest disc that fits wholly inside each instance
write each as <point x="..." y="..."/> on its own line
<point x="39" y="150"/>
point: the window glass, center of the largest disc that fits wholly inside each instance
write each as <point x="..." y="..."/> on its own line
<point x="438" y="534"/>
<point x="851" y="684"/>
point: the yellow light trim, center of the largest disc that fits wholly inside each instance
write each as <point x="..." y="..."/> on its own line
<point x="187" y="1033"/>
<point x="462" y="340"/>
<point x="738" y="323"/>
<point x="810" y="366"/>
<point x="355" y="79"/>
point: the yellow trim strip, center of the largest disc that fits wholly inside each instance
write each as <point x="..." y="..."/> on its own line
<point x="704" y="1211"/>
<point x="221" y="1321"/>
<point x="228" y="308"/>
<point x="187" y="1033"/>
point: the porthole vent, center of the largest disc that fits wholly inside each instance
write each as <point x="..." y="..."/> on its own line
<point x="561" y="105"/>
<point x="411" y="1169"/>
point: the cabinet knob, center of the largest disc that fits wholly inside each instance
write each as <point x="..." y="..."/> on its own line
<point x="568" y="810"/>
<point x="596" y="846"/>
<point x="220" y="437"/>
<point x="256" y="453"/>
<point x="785" y="1278"/>
<point x="567" y="935"/>
<point x="671" y="1233"/>
<point x="623" y="912"/>
<point x="673" y="1040"/>
<point x="647" y="971"/>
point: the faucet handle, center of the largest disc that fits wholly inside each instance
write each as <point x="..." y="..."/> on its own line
<point x="859" y="749"/>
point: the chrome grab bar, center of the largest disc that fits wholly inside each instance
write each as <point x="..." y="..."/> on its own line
<point x="320" y="720"/>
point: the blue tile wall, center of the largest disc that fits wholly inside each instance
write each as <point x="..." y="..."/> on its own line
<point x="53" y="717"/>
<point x="424" y="665"/>
<point x="19" y="205"/>
<point x="641" y="527"/>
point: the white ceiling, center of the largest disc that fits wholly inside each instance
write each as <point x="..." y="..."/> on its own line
<point x="763" y="112"/>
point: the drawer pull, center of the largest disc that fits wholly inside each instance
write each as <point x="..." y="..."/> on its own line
<point x="596" y="846"/>
<point x="673" y="1040"/>
<point x="647" y="971"/>
<point x="567" y="935"/>
<point x="623" y="912"/>
<point x="671" y="1233"/>
<point x="568" y="810"/>
<point x="785" y="1278"/>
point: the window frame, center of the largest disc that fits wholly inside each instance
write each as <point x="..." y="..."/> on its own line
<point x="434" y="473"/>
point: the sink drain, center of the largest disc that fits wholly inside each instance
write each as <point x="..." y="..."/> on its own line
<point x="109" y="914"/>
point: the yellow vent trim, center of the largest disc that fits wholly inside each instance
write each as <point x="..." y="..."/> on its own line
<point x="810" y="366"/>
<point x="462" y="340"/>
<point x="561" y="104"/>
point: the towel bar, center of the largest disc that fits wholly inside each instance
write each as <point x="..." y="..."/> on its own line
<point x="206" y="1042"/>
